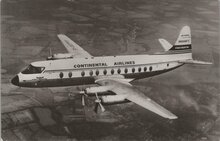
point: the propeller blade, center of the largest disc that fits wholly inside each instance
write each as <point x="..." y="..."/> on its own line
<point x="97" y="96"/>
<point x="83" y="100"/>
<point x="102" y="107"/>
<point x="83" y="93"/>
<point x="98" y="103"/>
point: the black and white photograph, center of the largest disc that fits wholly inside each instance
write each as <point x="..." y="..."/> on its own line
<point x="110" y="70"/>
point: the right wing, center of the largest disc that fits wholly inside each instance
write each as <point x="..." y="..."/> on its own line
<point x="121" y="87"/>
<point x="72" y="47"/>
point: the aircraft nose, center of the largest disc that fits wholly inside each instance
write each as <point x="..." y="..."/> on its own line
<point x="15" y="80"/>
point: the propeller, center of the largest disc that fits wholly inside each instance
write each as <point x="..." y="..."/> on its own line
<point x="83" y="95"/>
<point x="98" y="104"/>
<point x="83" y="100"/>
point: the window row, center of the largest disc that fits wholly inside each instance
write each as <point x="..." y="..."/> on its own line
<point x="105" y="72"/>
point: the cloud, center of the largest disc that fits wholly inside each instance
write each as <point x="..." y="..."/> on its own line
<point x="212" y="107"/>
<point x="188" y="101"/>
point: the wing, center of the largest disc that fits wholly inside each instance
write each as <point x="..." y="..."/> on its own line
<point x="72" y="47"/>
<point x="121" y="87"/>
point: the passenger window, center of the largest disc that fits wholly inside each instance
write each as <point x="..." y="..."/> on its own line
<point x="91" y="73"/>
<point x="70" y="74"/>
<point x="105" y="72"/>
<point x="145" y="69"/>
<point x="133" y="70"/>
<point x="112" y="71"/>
<point x="97" y="72"/>
<point x="168" y="65"/>
<point x="119" y="71"/>
<point x="61" y="75"/>
<point x="150" y="68"/>
<point x="126" y="70"/>
<point x="83" y="73"/>
<point x="139" y="69"/>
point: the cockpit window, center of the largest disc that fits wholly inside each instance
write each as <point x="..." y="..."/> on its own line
<point x="33" y="70"/>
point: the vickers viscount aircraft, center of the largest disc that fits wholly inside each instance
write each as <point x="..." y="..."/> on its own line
<point x="111" y="73"/>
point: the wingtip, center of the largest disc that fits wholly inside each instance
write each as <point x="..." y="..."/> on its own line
<point x="172" y="117"/>
<point x="60" y="35"/>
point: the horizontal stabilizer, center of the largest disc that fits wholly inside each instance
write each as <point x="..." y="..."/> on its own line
<point x="165" y="44"/>
<point x="196" y="62"/>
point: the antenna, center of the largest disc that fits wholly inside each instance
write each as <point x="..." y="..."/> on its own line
<point x="50" y="57"/>
<point x="50" y="52"/>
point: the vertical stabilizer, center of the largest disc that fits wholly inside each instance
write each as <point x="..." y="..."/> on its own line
<point x="183" y="45"/>
<point x="183" y="42"/>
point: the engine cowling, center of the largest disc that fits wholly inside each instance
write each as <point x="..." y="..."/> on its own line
<point x="60" y="56"/>
<point x="100" y="89"/>
<point x="112" y="99"/>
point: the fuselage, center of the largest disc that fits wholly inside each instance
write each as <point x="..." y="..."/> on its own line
<point x="82" y="71"/>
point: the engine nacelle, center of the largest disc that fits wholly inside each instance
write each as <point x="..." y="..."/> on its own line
<point x="60" y="56"/>
<point x="111" y="99"/>
<point x="100" y="89"/>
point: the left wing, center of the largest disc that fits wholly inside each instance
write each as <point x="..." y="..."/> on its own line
<point x="72" y="47"/>
<point x="121" y="87"/>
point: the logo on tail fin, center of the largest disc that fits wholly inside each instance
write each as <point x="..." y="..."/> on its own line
<point x="183" y="42"/>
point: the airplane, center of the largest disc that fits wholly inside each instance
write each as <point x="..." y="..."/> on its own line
<point x="112" y="74"/>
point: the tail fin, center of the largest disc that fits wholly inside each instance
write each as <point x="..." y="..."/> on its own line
<point x="183" y="42"/>
<point x="183" y="45"/>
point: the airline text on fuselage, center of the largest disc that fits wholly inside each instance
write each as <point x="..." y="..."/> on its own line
<point x="124" y="63"/>
<point x="90" y="65"/>
<point x="103" y="64"/>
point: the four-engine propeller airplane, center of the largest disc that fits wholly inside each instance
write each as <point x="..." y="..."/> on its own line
<point x="111" y="73"/>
